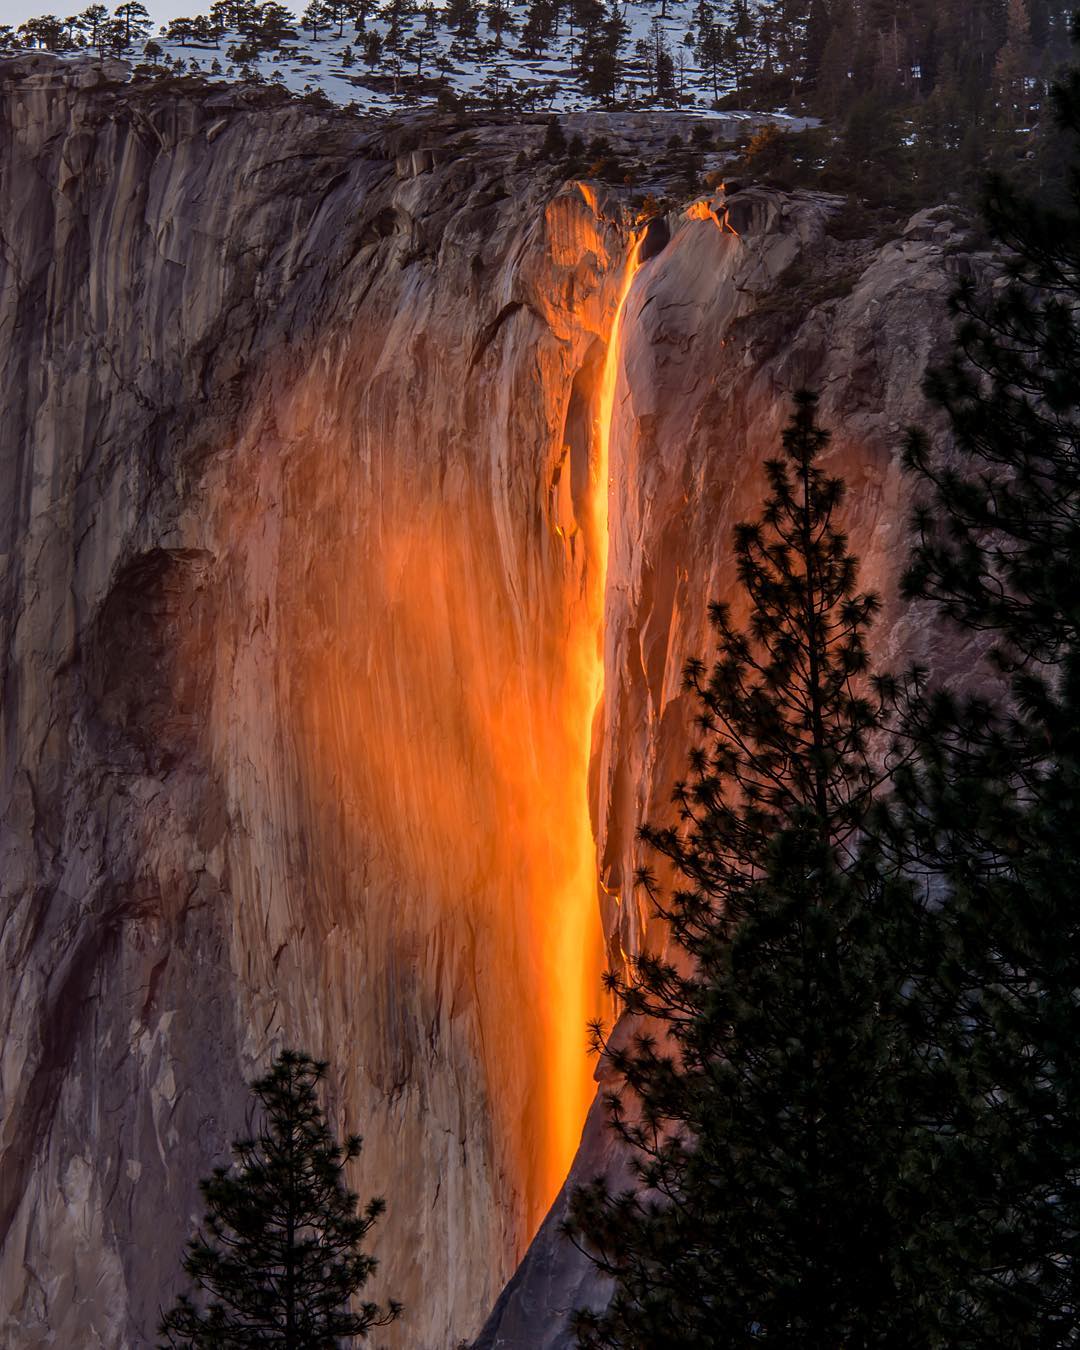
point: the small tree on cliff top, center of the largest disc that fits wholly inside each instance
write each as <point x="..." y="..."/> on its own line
<point x="762" y="1096"/>
<point x="279" y="1255"/>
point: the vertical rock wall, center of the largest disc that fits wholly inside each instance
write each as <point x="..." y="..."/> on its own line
<point x="299" y="673"/>
<point x="299" y="648"/>
<point x="747" y="304"/>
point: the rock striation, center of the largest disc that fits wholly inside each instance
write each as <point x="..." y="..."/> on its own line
<point x="299" y="610"/>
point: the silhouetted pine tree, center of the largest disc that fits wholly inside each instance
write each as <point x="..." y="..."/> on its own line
<point x="279" y="1257"/>
<point x="462" y="16"/>
<point x="553" y="146"/>
<point x="762" y="1096"/>
<point x="992" y="804"/>
<point x="603" y="33"/>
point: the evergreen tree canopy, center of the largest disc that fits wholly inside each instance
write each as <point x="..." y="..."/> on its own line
<point x="279" y="1257"/>
<point x="135" y="18"/>
<point x="761" y="1094"/>
<point x="991" y="805"/>
<point x="554" y="142"/>
<point x="989" y="58"/>
<point x="92" y="20"/>
<point x="603" y="34"/>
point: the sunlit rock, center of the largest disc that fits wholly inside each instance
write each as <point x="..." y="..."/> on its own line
<point x="335" y="682"/>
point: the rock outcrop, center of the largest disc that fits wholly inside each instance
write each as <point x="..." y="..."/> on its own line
<point x="299" y="603"/>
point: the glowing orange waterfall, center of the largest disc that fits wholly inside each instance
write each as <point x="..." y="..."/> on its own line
<point x="575" y="951"/>
<point x="601" y="484"/>
<point x="444" y="731"/>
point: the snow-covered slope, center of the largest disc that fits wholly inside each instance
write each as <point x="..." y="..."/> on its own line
<point x="431" y="58"/>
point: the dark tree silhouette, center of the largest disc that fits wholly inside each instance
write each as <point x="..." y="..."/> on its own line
<point x="279" y="1259"/>
<point x="762" y="1095"/>
<point x="991" y="806"/>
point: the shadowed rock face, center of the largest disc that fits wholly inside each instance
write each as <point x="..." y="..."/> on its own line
<point x="298" y="610"/>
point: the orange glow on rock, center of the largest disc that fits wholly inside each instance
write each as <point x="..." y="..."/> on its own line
<point x="457" y="743"/>
<point x="576" y="950"/>
<point x="588" y="192"/>
<point x="446" y="668"/>
<point x="605" y="411"/>
<point x="701" y="210"/>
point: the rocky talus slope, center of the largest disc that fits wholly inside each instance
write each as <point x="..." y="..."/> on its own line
<point x="301" y="578"/>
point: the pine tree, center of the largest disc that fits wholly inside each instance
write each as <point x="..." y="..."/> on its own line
<point x="553" y="146"/>
<point x="500" y="19"/>
<point x="91" y="22"/>
<point x="818" y="20"/>
<point x="603" y="34"/>
<point x="279" y="1256"/>
<point x="833" y="91"/>
<point x="416" y="49"/>
<point x="180" y="30"/>
<point x="73" y="30"/>
<point x="270" y="26"/>
<point x="338" y="11"/>
<point x="463" y="17"/>
<point x="992" y="805"/>
<point x="136" y="20"/>
<point x="741" y="42"/>
<point x="316" y="18"/>
<point x="45" y="31"/>
<point x="660" y="62"/>
<point x="537" y="29"/>
<point x="760" y="1099"/>
<point x="1013" y="66"/>
<point x="790" y="29"/>
<point x="112" y="38"/>
<point x="360" y="11"/>
<point x="714" y="51"/>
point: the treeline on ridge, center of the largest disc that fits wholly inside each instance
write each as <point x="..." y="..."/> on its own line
<point x="949" y="69"/>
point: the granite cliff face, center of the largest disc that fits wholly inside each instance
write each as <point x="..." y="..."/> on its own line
<point x="307" y="735"/>
<point x="718" y="331"/>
